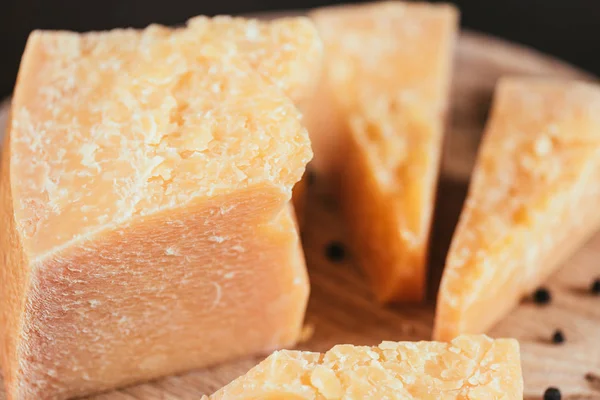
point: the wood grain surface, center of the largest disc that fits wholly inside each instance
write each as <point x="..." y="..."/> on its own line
<point x="341" y="309"/>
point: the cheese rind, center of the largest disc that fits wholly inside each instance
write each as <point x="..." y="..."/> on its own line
<point x="145" y="202"/>
<point x="388" y="70"/>
<point x="469" y="367"/>
<point x="532" y="200"/>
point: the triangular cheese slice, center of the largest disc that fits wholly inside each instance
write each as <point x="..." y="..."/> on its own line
<point x="144" y="202"/>
<point x="388" y="72"/>
<point x="532" y="201"/>
<point x="469" y="367"/>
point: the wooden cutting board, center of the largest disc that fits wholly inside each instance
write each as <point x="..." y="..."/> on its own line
<point x="341" y="309"/>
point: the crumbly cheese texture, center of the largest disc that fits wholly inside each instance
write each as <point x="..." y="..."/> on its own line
<point x="145" y="187"/>
<point x="531" y="203"/>
<point x="388" y="70"/>
<point x="469" y="367"/>
<point x="140" y="137"/>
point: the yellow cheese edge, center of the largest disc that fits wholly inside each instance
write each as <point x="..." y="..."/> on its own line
<point x="389" y="67"/>
<point x="531" y="202"/>
<point x="474" y="367"/>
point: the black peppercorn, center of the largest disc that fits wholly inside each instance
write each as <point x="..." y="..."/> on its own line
<point x="595" y="287"/>
<point x="552" y="393"/>
<point x="335" y="251"/>
<point x="558" y="337"/>
<point x="542" y="296"/>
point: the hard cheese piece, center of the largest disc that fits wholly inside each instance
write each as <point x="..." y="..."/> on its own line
<point x="145" y="187"/>
<point x="532" y="201"/>
<point x="299" y="200"/>
<point x="389" y="68"/>
<point x="286" y="51"/>
<point x="470" y="367"/>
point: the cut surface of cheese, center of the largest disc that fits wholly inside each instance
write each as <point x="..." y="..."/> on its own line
<point x="146" y="179"/>
<point x="532" y="200"/>
<point x="388" y="68"/>
<point x="469" y="367"/>
<point x="299" y="200"/>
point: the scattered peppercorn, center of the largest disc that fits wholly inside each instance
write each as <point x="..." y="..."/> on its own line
<point x="335" y="251"/>
<point x="595" y="288"/>
<point x="552" y="393"/>
<point x="542" y="296"/>
<point x="558" y="337"/>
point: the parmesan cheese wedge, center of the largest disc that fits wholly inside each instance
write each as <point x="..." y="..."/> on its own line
<point x="531" y="203"/>
<point x="299" y="200"/>
<point x="387" y="77"/>
<point x="469" y="367"/>
<point x="145" y="226"/>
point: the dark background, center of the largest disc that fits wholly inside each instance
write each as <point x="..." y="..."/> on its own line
<point x="569" y="29"/>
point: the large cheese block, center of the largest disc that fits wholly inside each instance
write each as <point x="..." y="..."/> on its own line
<point x="532" y="200"/>
<point x="145" y="183"/>
<point x="388" y="67"/>
<point x="469" y="367"/>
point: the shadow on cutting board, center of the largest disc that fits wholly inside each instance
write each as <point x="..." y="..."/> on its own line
<point x="341" y="303"/>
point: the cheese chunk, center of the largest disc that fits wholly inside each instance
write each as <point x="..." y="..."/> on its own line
<point x="300" y="199"/>
<point x="144" y="202"/>
<point x="470" y="367"/>
<point x="388" y="68"/>
<point x="532" y="200"/>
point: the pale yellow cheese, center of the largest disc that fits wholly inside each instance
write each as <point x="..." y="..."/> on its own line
<point x="300" y="199"/>
<point x="533" y="200"/>
<point x="145" y="187"/>
<point x="469" y="367"/>
<point x="377" y="131"/>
